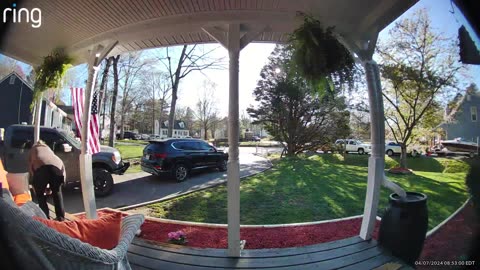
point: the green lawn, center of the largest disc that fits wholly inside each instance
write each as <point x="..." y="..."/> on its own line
<point x="130" y="151"/>
<point x="321" y="187"/>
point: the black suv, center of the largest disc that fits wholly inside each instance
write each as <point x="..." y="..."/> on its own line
<point x="129" y="135"/>
<point x="179" y="156"/>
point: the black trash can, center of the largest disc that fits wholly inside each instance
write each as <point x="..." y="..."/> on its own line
<point x="404" y="226"/>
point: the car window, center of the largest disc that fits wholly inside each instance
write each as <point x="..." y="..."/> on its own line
<point x="181" y="145"/>
<point x="204" y="146"/>
<point x="154" y="147"/>
<point x="22" y="139"/>
<point x="351" y="142"/>
<point x="187" y="146"/>
<point x="71" y="139"/>
<point x="53" y="140"/>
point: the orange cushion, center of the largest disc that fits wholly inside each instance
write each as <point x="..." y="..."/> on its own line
<point x="3" y="176"/>
<point x="21" y="199"/>
<point x="103" y="232"/>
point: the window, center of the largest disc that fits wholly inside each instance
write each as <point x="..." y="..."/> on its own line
<point x="185" y="146"/>
<point x="53" y="140"/>
<point x="22" y="139"/>
<point x="12" y="79"/>
<point x="473" y="112"/>
<point x="203" y="146"/>
<point x="351" y="142"/>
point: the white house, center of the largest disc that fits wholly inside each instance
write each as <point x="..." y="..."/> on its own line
<point x="179" y="130"/>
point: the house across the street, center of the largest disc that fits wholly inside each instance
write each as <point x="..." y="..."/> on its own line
<point x="180" y="129"/>
<point x="462" y="120"/>
<point x="16" y="97"/>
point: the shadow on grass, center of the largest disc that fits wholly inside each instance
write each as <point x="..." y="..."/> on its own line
<point x="303" y="190"/>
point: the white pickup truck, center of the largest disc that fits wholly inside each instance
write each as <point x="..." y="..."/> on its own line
<point x="352" y="145"/>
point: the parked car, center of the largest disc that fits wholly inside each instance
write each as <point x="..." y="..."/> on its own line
<point x="129" y="135"/>
<point x="154" y="137"/>
<point x="393" y="148"/>
<point x="144" y="137"/>
<point x="352" y="145"/>
<point x="178" y="157"/>
<point x="19" y="139"/>
<point x="255" y="138"/>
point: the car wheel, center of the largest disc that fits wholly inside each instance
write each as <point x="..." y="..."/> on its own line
<point x="102" y="181"/>
<point x="471" y="155"/>
<point x="361" y="151"/>
<point x="222" y="166"/>
<point x="180" y="172"/>
<point x="389" y="152"/>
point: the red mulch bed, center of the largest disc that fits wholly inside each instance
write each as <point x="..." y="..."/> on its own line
<point x="257" y="238"/>
<point x="280" y="237"/>
<point x="452" y="242"/>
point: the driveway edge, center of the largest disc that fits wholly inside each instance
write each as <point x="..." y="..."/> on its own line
<point x="173" y="196"/>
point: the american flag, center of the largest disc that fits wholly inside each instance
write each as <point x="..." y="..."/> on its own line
<point x="93" y="131"/>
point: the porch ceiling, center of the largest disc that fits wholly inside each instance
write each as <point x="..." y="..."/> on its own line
<point x="137" y="25"/>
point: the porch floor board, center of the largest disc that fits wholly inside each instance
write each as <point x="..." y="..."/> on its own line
<point x="350" y="253"/>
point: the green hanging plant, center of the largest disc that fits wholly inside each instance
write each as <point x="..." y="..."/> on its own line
<point x="49" y="74"/>
<point x="319" y="57"/>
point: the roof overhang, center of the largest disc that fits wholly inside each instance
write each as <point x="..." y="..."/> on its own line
<point x="80" y="25"/>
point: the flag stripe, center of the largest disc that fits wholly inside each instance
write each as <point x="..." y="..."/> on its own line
<point x="93" y="141"/>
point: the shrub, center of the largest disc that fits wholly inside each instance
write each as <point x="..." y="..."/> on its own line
<point x="473" y="184"/>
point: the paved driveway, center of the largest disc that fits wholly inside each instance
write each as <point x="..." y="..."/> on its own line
<point x="136" y="188"/>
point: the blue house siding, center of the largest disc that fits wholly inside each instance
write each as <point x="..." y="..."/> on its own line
<point x="15" y="100"/>
<point x="462" y="124"/>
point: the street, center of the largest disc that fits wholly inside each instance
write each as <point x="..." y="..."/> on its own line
<point x="136" y="188"/>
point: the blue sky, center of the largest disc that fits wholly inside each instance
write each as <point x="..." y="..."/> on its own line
<point x="254" y="57"/>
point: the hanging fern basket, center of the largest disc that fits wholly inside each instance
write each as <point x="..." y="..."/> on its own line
<point x="318" y="55"/>
<point x="50" y="73"/>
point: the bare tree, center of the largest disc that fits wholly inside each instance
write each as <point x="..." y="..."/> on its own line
<point x="103" y="92"/>
<point x="206" y="110"/>
<point x="130" y="68"/>
<point x="159" y="91"/>
<point x="7" y="65"/>
<point x="114" y="100"/>
<point x="191" y="58"/>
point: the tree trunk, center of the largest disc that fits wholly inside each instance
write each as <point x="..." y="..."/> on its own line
<point x="171" y="116"/>
<point x="160" y="117"/>
<point x="114" y="101"/>
<point x="153" y="114"/>
<point x="124" y="106"/>
<point x="403" y="157"/>
<point x="205" y="135"/>
<point x="103" y="93"/>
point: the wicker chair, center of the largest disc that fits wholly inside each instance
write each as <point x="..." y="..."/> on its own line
<point x="32" y="245"/>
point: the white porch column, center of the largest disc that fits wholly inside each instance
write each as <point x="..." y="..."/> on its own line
<point x="234" y="42"/>
<point x="86" y="174"/>
<point x="233" y="170"/>
<point x="376" y="162"/>
<point x="38" y="113"/>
